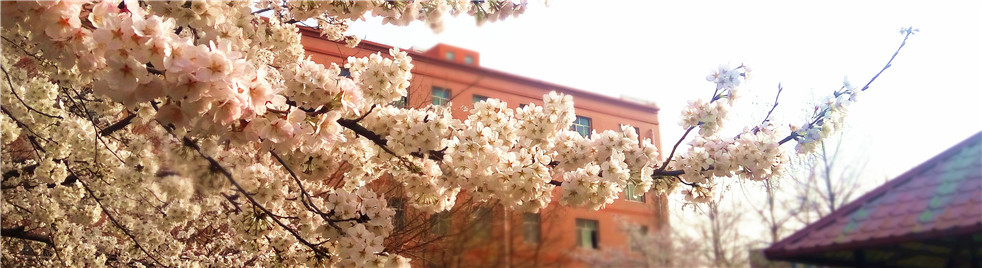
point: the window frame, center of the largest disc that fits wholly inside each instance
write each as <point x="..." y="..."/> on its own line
<point x="479" y="98"/>
<point x="481" y="222"/>
<point x="401" y="102"/>
<point x="450" y="55"/>
<point x="629" y="193"/>
<point x="644" y="232"/>
<point x="440" y="100"/>
<point x="588" y="127"/>
<point x="399" y="207"/>
<point x="585" y="226"/>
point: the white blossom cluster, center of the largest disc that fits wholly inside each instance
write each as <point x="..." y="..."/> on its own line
<point x="709" y="116"/>
<point x="383" y="80"/>
<point x="828" y="118"/>
<point x="754" y="154"/>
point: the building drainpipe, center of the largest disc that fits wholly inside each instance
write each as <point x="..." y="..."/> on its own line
<point x="507" y="236"/>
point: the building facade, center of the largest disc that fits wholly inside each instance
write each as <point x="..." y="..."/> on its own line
<point x="484" y="234"/>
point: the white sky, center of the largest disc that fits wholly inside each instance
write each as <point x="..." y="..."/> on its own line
<point x="662" y="50"/>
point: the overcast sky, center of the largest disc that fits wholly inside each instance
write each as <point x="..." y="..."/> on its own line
<point x="662" y="50"/>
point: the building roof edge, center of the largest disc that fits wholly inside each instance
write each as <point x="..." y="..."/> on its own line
<point x="420" y="56"/>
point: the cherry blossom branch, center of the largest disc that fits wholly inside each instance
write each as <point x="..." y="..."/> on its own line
<point x="89" y="117"/>
<point x="24" y="126"/>
<point x="382" y="142"/>
<point x="228" y="175"/>
<point x="362" y="117"/>
<point x="26" y="52"/>
<point x="818" y="118"/>
<point x="19" y="233"/>
<point x="305" y="198"/>
<point x="692" y="184"/>
<point x="14" y="92"/>
<point x="118" y="125"/>
<point x="670" y="155"/>
<point x="779" y="89"/>
<point x="113" y="219"/>
<point x="907" y="33"/>
<point x="656" y="174"/>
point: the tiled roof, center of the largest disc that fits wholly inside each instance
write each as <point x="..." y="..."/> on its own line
<point x="939" y="198"/>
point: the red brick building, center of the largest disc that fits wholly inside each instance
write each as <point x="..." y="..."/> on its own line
<point x="447" y="75"/>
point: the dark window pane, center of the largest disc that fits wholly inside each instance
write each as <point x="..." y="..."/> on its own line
<point x="441" y="96"/>
<point x="440" y="223"/>
<point x="531" y="224"/>
<point x="582" y="125"/>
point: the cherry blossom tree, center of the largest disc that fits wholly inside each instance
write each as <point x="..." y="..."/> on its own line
<point x="176" y="133"/>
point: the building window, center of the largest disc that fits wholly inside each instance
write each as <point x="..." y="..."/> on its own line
<point x="398" y="205"/>
<point x="582" y="125"/>
<point x="531" y="224"/>
<point x="587" y="233"/>
<point x="402" y="102"/>
<point x="633" y="193"/>
<point x="481" y="220"/>
<point x="638" y="245"/>
<point x="450" y="55"/>
<point x="469" y="60"/>
<point x="479" y="98"/>
<point x="440" y="223"/>
<point x="441" y="96"/>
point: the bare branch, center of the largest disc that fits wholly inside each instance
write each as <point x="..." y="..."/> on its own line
<point x="670" y="155"/>
<point x="778" y="95"/>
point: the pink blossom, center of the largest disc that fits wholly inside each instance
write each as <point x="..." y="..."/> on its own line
<point x="171" y="114"/>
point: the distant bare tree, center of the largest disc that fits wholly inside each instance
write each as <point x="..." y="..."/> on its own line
<point x="816" y="185"/>
<point x="831" y="179"/>
<point x="722" y="232"/>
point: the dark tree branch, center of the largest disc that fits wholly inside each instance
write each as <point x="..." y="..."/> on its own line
<point x="686" y="183"/>
<point x="261" y="10"/>
<point x="154" y="71"/>
<point x="15" y="173"/>
<point x="305" y="197"/>
<point x="20" y="233"/>
<point x="668" y="159"/>
<point x="118" y="125"/>
<point x="362" y="117"/>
